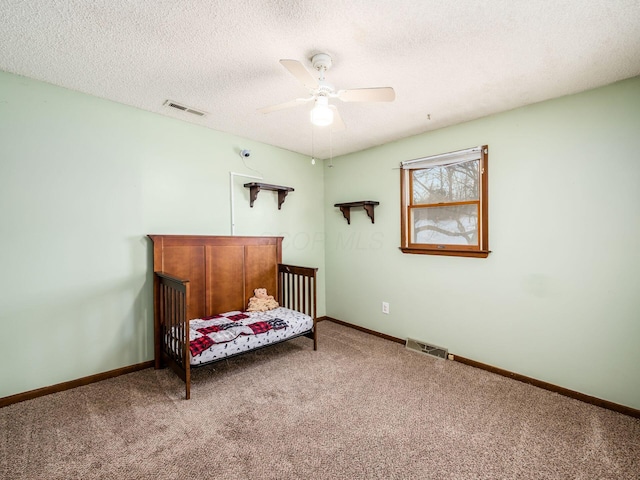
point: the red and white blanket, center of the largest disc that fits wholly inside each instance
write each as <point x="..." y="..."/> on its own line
<point x="208" y="331"/>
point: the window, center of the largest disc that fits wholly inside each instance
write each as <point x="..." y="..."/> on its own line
<point x="445" y="204"/>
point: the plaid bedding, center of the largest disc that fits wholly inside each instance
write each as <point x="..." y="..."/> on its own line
<point x="207" y="334"/>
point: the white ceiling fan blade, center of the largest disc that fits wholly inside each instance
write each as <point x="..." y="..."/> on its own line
<point x="377" y="94"/>
<point x="281" y="106"/>
<point x="337" y="124"/>
<point x="302" y="74"/>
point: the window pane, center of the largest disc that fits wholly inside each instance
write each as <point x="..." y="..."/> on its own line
<point x="452" y="183"/>
<point x="456" y="225"/>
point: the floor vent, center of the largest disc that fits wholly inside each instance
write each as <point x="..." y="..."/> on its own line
<point x="427" y="349"/>
<point x="177" y="106"/>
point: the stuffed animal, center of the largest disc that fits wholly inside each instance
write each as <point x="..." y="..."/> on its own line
<point x="261" y="302"/>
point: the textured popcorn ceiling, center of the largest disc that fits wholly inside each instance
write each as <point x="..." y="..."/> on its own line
<point x="451" y="60"/>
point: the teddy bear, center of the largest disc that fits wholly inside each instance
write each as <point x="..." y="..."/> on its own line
<point x="261" y="302"/>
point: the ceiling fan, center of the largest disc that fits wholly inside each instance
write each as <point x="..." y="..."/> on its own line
<point x="320" y="92"/>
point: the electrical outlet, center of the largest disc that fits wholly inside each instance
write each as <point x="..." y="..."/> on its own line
<point x="385" y="307"/>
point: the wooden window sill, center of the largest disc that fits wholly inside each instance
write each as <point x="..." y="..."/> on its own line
<point x="449" y="252"/>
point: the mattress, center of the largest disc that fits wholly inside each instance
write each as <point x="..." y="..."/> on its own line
<point x="213" y="338"/>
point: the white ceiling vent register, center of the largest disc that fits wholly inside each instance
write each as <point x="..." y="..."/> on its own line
<point x="184" y="108"/>
<point x="421" y="347"/>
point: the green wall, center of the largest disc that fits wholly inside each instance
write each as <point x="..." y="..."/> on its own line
<point x="82" y="182"/>
<point x="558" y="299"/>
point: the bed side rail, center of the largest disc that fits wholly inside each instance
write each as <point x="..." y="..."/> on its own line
<point x="297" y="291"/>
<point x="171" y="310"/>
<point x="297" y="288"/>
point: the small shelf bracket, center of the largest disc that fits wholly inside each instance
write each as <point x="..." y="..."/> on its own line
<point x="255" y="187"/>
<point x="368" y="205"/>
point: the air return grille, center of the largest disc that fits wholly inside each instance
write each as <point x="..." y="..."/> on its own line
<point x="177" y="106"/>
<point x="421" y="347"/>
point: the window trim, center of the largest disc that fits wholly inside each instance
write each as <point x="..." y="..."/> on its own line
<point x="406" y="194"/>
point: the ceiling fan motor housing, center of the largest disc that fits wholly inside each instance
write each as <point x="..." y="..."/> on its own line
<point x="325" y="89"/>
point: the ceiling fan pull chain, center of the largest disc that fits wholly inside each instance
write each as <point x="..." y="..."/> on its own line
<point x="313" y="156"/>
<point x="330" y="148"/>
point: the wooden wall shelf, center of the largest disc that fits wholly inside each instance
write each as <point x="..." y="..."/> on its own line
<point x="368" y="205"/>
<point x="255" y="187"/>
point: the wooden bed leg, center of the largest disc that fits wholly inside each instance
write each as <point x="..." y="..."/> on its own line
<point x="315" y="338"/>
<point x="187" y="370"/>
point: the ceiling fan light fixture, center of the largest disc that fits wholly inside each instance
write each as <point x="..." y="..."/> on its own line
<point x="321" y="114"/>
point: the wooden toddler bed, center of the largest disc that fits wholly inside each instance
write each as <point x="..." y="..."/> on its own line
<point x="202" y="285"/>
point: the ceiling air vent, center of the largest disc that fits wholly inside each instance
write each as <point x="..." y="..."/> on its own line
<point x="425" y="348"/>
<point x="177" y="106"/>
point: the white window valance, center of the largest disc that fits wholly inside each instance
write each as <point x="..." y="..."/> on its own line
<point x="443" y="159"/>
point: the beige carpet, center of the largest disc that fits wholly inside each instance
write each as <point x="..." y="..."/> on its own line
<point x="359" y="407"/>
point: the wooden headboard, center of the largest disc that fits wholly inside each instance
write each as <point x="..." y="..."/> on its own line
<point x="222" y="271"/>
